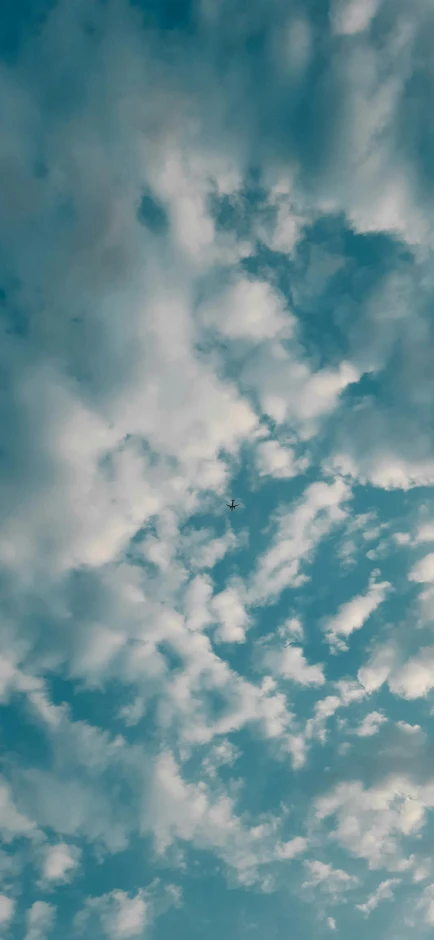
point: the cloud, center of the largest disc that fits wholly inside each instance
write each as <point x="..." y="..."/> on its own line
<point x="411" y="679"/>
<point x="279" y="462"/>
<point x="7" y="908"/>
<point x="119" y="915"/>
<point x="231" y="615"/>
<point x="425" y="533"/>
<point x="299" y="531"/>
<point x="370" y="724"/>
<point x="426" y="904"/>
<point x="293" y="848"/>
<point x="187" y="811"/>
<point x="60" y="862"/>
<point x="250" y="310"/>
<point x="290" y="392"/>
<point x="378" y="667"/>
<point x="423" y="570"/>
<point x="40" y="920"/>
<point x="352" y="615"/>
<point x="13" y="824"/>
<point x="290" y="663"/>
<point x="372" y="821"/>
<point x="415" y="678"/>
<point x="160" y="301"/>
<point x="384" y="892"/>
<point x="353" y="16"/>
<point x="332" y="881"/>
<point x="386" y="471"/>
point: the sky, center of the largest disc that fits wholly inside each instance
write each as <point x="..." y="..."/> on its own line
<point x="216" y="282"/>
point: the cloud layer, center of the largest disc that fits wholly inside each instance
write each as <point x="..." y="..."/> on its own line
<point x="216" y="229"/>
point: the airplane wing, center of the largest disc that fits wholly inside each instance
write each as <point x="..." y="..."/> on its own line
<point x="227" y="504"/>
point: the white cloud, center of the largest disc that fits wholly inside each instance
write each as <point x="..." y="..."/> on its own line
<point x="135" y="428"/>
<point x="409" y="729"/>
<point x="39" y="920"/>
<point x="231" y="615"/>
<point x="276" y="461"/>
<point x="60" y="862"/>
<point x="7" y="909"/>
<point x="331" y="923"/>
<point x="119" y="915"/>
<point x="180" y="810"/>
<point x="371" y="822"/>
<point x="378" y="668"/>
<point x="423" y="570"/>
<point x="290" y="392"/>
<point x="415" y="678"/>
<point x="290" y="663"/>
<point x="324" y="708"/>
<point x="13" y="824"/>
<point x="282" y="233"/>
<point x="332" y="881"/>
<point x="411" y="679"/>
<point x="293" y="848"/>
<point x="388" y="471"/>
<point x="250" y="310"/>
<point x="200" y="547"/>
<point x="425" y="533"/>
<point x="426" y="904"/>
<point x="353" y="614"/>
<point x="197" y="601"/>
<point x="292" y="628"/>
<point x="219" y="755"/>
<point x="370" y="724"/>
<point x="384" y="892"/>
<point x="353" y="16"/>
<point x="298" y="533"/>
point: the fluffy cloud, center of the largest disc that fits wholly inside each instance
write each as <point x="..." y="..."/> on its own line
<point x="370" y="724"/>
<point x="118" y="914"/>
<point x="195" y="239"/>
<point x="330" y="880"/>
<point x="290" y="392"/>
<point x="60" y="862"/>
<point x="290" y="663"/>
<point x="7" y="908"/>
<point x="425" y="533"/>
<point x="13" y="824"/>
<point x="276" y="461"/>
<point x="371" y="822"/>
<point x="384" y="892"/>
<point x="353" y="16"/>
<point x="298" y="533"/>
<point x="426" y="903"/>
<point x="40" y="920"/>
<point x="249" y="310"/>
<point x="231" y="615"/>
<point x="354" y="614"/>
<point x="411" y="679"/>
<point x="423" y="570"/>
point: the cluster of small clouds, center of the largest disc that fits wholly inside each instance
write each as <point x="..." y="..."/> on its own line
<point x="155" y="355"/>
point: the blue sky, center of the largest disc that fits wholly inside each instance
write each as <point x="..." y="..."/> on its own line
<point x="216" y="241"/>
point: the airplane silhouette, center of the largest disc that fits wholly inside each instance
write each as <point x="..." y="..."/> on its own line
<point x="233" y="505"/>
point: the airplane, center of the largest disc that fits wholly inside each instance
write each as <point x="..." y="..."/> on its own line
<point x="233" y="505"/>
